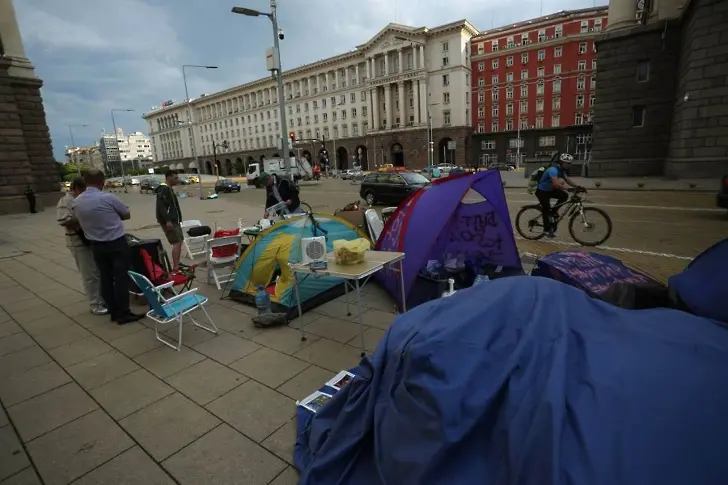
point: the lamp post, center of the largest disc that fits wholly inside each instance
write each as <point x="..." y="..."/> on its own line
<point x="430" y="140"/>
<point x="189" y="122"/>
<point x="224" y="145"/>
<point x="277" y="34"/>
<point x="121" y="162"/>
<point x="73" y="143"/>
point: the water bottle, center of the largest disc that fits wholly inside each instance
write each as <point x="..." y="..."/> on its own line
<point x="451" y="290"/>
<point x="481" y="279"/>
<point x="262" y="301"/>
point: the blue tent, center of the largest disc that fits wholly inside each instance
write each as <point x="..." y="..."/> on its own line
<point x="528" y="381"/>
<point x="703" y="286"/>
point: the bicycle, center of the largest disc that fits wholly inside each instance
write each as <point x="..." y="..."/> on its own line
<point x="574" y="209"/>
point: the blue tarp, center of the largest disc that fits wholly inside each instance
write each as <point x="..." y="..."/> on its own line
<point x="703" y="286"/>
<point x="528" y="381"/>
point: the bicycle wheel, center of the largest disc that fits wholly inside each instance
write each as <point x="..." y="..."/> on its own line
<point x="529" y="222"/>
<point x="590" y="219"/>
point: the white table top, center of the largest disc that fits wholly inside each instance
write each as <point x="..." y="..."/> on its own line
<point x="373" y="262"/>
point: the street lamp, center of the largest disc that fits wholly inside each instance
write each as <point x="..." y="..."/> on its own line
<point x="189" y="121"/>
<point x="277" y="35"/>
<point x="430" y="139"/>
<point x="224" y="145"/>
<point x="121" y="162"/>
<point x="73" y="143"/>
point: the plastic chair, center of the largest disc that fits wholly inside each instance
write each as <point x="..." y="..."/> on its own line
<point x="222" y="251"/>
<point x="193" y="245"/>
<point x="172" y="310"/>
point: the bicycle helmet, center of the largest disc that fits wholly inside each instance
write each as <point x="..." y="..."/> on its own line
<point x="566" y="158"/>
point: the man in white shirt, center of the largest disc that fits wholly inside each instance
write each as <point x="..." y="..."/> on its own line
<point x="79" y="247"/>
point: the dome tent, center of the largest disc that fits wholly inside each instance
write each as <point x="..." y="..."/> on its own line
<point x="270" y="254"/>
<point x="463" y="214"/>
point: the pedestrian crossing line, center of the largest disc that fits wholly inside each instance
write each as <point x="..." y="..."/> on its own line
<point x="613" y="249"/>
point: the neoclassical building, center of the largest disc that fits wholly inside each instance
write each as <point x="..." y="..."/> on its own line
<point x="371" y="105"/>
<point x="26" y="155"/>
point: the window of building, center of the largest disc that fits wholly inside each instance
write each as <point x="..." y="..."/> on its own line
<point x="539" y="105"/>
<point x="509" y="42"/>
<point x="446" y="117"/>
<point x="445" y="79"/>
<point x="494" y="64"/>
<point x="539" y="122"/>
<point x="509" y="92"/>
<point x="557" y="85"/>
<point x="445" y="98"/>
<point x="557" y="69"/>
<point x="524" y="58"/>
<point x="559" y="31"/>
<point x="494" y="79"/>
<point x="494" y="126"/>
<point x="445" y="46"/>
<point x="593" y="83"/>
<point x="509" y="125"/>
<point x="546" y="141"/>
<point x="445" y="61"/>
<point x="481" y="97"/>
<point x="509" y="77"/>
<point x="481" y="127"/>
<point x="524" y="74"/>
<point x="494" y="94"/>
<point x="555" y="103"/>
<point x="597" y="25"/>
<point x="594" y="64"/>
<point x="638" y="116"/>
<point x="524" y="38"/>
<point x="541" y="35"/>
<point x="539" y="87"/>
<point x="541" y="54"/>
<point x="480" y="48"/>
<point x="509" y="109"/>
<point x="584" y="27"/>
<point x="481" y="66"/>
<point x="524" y="90"/>
<point x="481" y="82"/>
<point x="555" y="121"/>
<point x="524" y="106"/>
<point x="643" y="71"/>
<point x="581" y="83"/>
<point x="353" y="112"/>
<point x="592" y="100"/>
<point x="515" y="142"/>
<point x="509" y="61"/>
<point x="541" y="72"/>
<point x="582" y="47"/>
<point x="494" y="48"/>
<point x="494" y="111"/>
<point x="487" y="145"/>
<point x="578" y="119"/>
<point x="558" y="51"/>
<point x="581" y="66"/>
<point x="481" y="112"/>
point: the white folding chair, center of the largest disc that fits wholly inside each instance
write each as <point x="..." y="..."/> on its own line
<point x="228" y="251"/>
<point x="193" y="246"/>
<point x="374" y="224"/>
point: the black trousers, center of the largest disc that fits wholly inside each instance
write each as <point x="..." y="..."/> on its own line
<point x="544" y="198"/>
<point x="113" y="259"/>
<point x="31" y="202"/>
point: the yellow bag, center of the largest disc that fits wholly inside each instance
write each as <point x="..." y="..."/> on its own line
<point x="350" y="252"/>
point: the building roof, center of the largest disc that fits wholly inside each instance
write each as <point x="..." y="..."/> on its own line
<point x="544" y="19"/>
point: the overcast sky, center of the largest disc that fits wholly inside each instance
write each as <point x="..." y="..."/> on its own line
<point x="95" y="55"/>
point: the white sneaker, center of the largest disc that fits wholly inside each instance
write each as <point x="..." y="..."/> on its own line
<point x="99" y="310"/>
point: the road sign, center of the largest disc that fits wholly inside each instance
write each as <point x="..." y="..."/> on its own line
<point x="150" y="170"/>
<point x="451" y="145"/>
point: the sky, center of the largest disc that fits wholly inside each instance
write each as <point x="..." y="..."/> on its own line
<point x="99" y="55"/>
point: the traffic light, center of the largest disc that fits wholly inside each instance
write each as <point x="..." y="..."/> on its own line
<point x="292" y="136"/>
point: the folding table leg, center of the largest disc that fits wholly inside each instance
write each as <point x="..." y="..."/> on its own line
<point x="298" y="303"/>
<point x="346" y="295"/>
<point x="361" y="319"/>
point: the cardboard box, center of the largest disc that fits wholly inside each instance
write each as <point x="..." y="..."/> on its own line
<point x="352" y="217"/>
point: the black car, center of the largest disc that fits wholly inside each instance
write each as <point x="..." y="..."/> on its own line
<point x="722" y="197"/>
<point x="227" y="185"/>
<point x="390" y="187"/>
<point x="149" y="186"/>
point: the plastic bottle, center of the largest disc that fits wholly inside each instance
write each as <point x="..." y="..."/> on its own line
<point x="481" y="279"/>
<point x="450" y="291"/>
<point x="262" y="301"/>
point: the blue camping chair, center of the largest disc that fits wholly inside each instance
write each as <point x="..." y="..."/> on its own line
<point x="171" y="310"/>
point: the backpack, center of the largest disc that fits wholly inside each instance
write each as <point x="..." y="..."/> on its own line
<point x="535" y="179"/>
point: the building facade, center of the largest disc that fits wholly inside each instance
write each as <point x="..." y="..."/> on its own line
<point x="26" y="154"/>
<point x="372" y="105"/>
<point x="89" y="156"/>
<point x="133" y="150"/>
<point x="533" y="87"/>
<point x="662" y="97"/>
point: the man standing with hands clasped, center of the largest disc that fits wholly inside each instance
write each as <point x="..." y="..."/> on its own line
<point x="100" y="215"/>
<point x="169" y="215"/>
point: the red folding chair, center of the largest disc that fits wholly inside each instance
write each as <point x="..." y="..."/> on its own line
<point x="159" y="276"/>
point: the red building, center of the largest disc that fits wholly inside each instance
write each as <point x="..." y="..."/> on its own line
<point x="533" y="83"/>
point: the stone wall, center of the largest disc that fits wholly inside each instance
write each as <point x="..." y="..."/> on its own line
<point x="26" y="154"/>
<point x="620" y="149"/>
<point x="699" y="141"/>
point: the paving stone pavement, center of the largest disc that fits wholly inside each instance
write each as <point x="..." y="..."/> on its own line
<point x="85" y="401"/>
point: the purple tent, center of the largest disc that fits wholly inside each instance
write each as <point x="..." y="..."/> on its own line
<point x="463" y="214"/>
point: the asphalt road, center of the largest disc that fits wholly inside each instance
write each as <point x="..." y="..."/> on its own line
<point x="658" y="232"/>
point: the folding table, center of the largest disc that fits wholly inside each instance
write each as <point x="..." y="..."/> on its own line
<point x="352" y="275"/>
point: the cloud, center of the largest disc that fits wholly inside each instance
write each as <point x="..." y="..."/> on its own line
<point x="95" y="56"/>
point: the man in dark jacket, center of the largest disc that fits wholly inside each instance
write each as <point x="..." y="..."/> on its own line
<point x="280" y="190"/>
<point x="169" y="215"/>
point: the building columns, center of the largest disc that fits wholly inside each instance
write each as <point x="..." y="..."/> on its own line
<point x="622" y="13"/>
<point x="386" y="63"/>
<point x="399" y="59"/>
<point x="402" y="111"/>
<point x="416" y="102"/>
<point x="422" y="57"/>
<point x="388" y="106"/>
<point x="375" y="109"/>
<point x="424" y="99"/>
<point x="356" y="74"/>
<point x="369" y="67"/>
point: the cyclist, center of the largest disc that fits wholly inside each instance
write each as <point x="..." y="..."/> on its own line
<point x="553" y="185"/>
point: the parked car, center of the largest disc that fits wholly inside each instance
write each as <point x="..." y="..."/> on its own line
<point x="149" y="185"/>
<point x="226" y="185"/>
<point x="390" y="187"/>
<point x="135" y="181"/>
<point x="346" y="174"/>
<point x="721" y="199"/>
